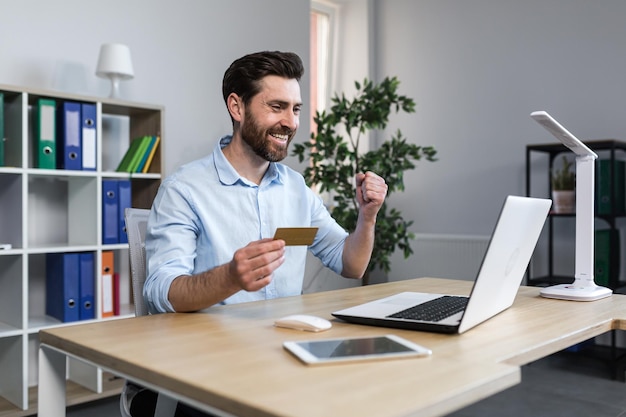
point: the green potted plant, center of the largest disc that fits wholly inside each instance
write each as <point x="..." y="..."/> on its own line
<point x="333" y="152"/>
<point x="563" y="188"/>
<point x="564" y="178"/>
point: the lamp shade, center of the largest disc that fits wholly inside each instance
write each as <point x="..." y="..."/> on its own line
<point x="114" y="60"/>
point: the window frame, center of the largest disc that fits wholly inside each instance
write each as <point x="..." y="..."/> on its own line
<point x="329" y="70"/>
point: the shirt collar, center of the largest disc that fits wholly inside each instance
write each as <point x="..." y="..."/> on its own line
<point x="229" y="176"/>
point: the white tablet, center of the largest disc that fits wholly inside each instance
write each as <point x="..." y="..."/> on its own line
<point x="328" y="351"/>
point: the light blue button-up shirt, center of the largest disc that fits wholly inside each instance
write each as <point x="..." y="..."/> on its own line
<point x="205" y="211"/>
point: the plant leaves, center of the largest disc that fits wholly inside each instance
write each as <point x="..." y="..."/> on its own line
<point x="335" y="160"/>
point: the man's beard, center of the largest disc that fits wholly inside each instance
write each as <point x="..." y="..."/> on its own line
<point x="255" y="137"/>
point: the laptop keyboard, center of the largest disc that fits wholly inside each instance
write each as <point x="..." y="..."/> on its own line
<point x="433" y="310"/>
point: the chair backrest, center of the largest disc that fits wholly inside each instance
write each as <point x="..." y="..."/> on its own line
<point x="136" y="222"/>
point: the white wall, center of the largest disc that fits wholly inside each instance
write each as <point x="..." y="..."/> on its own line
<point x="180" y="50"/>
<point x="476" y="70"/>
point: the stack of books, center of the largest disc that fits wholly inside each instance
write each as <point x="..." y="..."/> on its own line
<point x="139" y="155"/>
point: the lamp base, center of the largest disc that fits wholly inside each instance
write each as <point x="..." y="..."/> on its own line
<point x="572" y="292"/>
<point x="115" y="86"/>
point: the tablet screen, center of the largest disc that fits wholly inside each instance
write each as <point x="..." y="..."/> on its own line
<point x="338" y="350"/>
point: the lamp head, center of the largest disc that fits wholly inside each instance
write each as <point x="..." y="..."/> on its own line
<point x="562" y="134"/>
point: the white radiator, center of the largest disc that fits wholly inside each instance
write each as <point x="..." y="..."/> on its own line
<point x="448" y="256"/>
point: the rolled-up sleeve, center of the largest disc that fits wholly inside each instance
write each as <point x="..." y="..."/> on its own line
<point x="170" y="244"/>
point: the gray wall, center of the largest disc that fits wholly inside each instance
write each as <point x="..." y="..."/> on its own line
<point x="477" y="69"/>
<point x="180" y="50"/>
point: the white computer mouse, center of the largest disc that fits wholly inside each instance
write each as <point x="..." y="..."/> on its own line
<point x="303" y="322"/>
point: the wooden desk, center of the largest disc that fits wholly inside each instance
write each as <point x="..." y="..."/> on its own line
<point x="232" y="358"/>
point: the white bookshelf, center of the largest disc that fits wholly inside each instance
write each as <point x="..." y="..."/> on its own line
<point x="56" y="210"/>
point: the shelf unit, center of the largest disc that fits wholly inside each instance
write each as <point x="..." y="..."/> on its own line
<point x="56" y="210"/>
<point x="544" y="156"/>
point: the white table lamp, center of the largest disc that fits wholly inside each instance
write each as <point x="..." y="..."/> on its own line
<point x="584" y="287"/>
<point x="115" y="64"/>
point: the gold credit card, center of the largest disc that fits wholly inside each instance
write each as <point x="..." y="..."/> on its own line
<point x="294" y="236"/>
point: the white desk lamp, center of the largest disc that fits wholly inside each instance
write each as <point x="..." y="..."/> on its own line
<point x="584" y="287"/>
<point x="115" y="64"/>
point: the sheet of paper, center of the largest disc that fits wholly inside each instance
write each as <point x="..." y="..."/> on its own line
<point x="294" y="236"/>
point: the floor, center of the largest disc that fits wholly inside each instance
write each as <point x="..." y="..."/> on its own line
<point x="565" y="384"/>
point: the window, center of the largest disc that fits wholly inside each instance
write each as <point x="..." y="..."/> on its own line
<point x="322" y="34"/>
<point x="323" y="17"/>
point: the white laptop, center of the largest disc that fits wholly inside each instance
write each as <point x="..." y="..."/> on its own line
<point x="503" y="267"/>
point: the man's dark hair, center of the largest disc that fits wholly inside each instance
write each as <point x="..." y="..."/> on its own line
<point x="243" y="75"/>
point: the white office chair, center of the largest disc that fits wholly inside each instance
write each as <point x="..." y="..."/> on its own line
<point x="136" y="222"/>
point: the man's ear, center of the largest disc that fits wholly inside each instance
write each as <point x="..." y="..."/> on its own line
<point x="235" y="107"/>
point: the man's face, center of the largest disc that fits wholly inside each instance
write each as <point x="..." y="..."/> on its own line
<point x="272" y="118"/>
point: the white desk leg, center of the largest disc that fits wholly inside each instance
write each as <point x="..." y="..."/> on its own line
<point x="165" y="406"/>
<point x="51" y="395"/>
